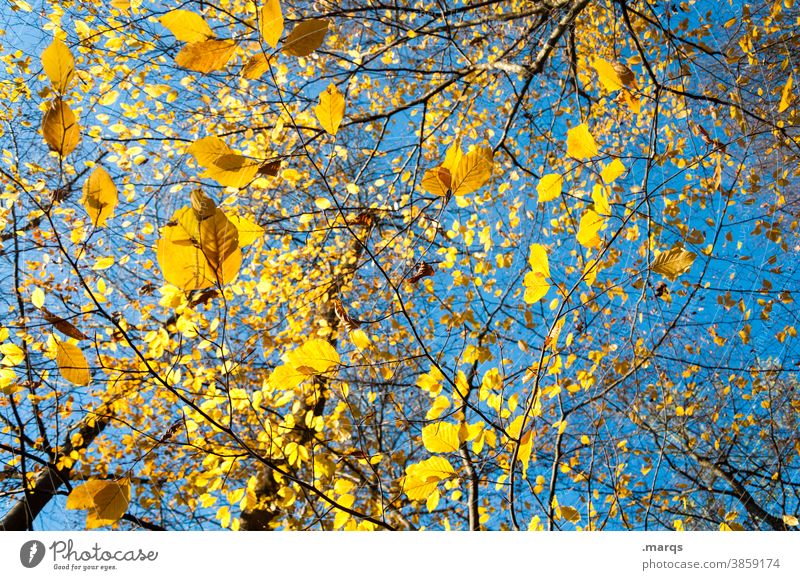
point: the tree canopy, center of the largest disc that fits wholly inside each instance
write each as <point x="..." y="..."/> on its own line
<point x="508" y="264"/>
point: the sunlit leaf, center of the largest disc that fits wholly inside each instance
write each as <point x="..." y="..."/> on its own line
<point x="60" y="128"/>
<point x="37" y="297"/>
<point x="580" y="143"/>
<point x="360" y="339"/>
<point x="306" y="37"/>
<point x="673" y="262"/>
<point x="422" y="478"/>
<point x="99" y="196"/>
<point x="591" y="223"/>
<point x="537" y="258"/>
<point x="600" y="199"/>
<point x="196" y="254"/>
<point x="607" y="75"/>
<point x="206" y="56"/>
<point x="536" y="287"/>
<point x="249" y="231"/>
<point x="315" y="357"/>
<point x="437" y="181"/>
<point x="612" y="171"/>
<point x="59" y="66"/>
<point x="270" y="22"/>
<point x="330" y="109"/>
<point x="786" y="95"/>
<point x="441" y="437"/>
<point x="106" y="501"/>
<point x="473" y="171"/>
<point x="187" y="26"/>
<point x="72" y="363"/>
<point x="550" y="187"/>
<point x="222" y="164"/>
<point x="255" y="66"/>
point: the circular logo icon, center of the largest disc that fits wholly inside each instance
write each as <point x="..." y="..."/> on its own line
<point x="31" y="553"/>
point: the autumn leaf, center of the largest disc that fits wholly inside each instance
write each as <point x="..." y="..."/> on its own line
<point x="535" y="281"/>
<point x="591" y="223"/>
<point x="314" y="357"/>
<point x="59" y="65"/>
<point x="206" y="56"/>
<point x="222" y="164"/>
<point x="106" y="501"/>
<point x="60" y="128"/>
<point x="612" y="171"/>
<point x="550" y="187"/>
<point x="473" y="171"/>
<point x="423" y="478"/>
<point x="441" y="437"/>
<point x="330" y="109"/>
<point x="99" y="196"/>
<point x="460" y="174"/>
<point x="580" y="143"/>
<point x="306" y="37"/>
<point x="195" y="254"/>
<point x="271" y="22"/>
<point x="249" y="231"/>
<point x="673" y="262"/>
<point x="786" y="95"/>
<point x="255" y="66"/>
<point x="187" y="26"/>
<point x="72" y="363"/>
<point x="63" y="326"/>
<point x="607" y="74"/>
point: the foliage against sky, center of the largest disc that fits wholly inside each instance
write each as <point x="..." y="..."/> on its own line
<point x="361" y="265"/>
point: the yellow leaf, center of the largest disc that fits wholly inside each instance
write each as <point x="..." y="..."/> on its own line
<point x="607" y="75"/>
<point x="60" y="128"/>
<point x="8" y="385"/>
<point x="187" y="26"/>
<point x="12" y="354"/>
<point x="580" y="143"/>
<point x="613" y="170"/>
<point x="330" y="110"/>
<point x="550" y="187"/>
<point x="473" y="171"/>
<point x="360" y="339"/>
<point x="538" y="260"/>
<point x="37" y="297"/>
<point x="432" y="501"/>
<point x="600" y="199"/>
<point x="59" y="66"/>
<point x="103" y="263"/>
<point x="222" y="164"/>
<point x="205" y="56"/>
<point x="453" y="155"/>
<point x="285" y="377"/>
<point x="271" y="22"/>
<point x="195" y="254"/>
<point x="633" y="101"/>
<point x="106" y="501"/>
<point x="322" y="203"/>
<point x="249" y="231"/>
<point x="786" y="95"/>
<point x="536" y="287"/>
<point x="255" y="66"/>
<point x="673" y="262"/>
<point x="590" y="272"/>
<point x="341" y="517"/>
<point x="437" y="408"/>
<point x="72" y="363"/>
<point x="590" y="224"/>
<point x="790" y="520"/>
<point x="306" y="37"/>
<point x="315" y="357"/>
<point x="99" y="196"/>
<point x="441" y="437"/>
<point x="437" y="181"/>
<point x="422" y="478"/>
